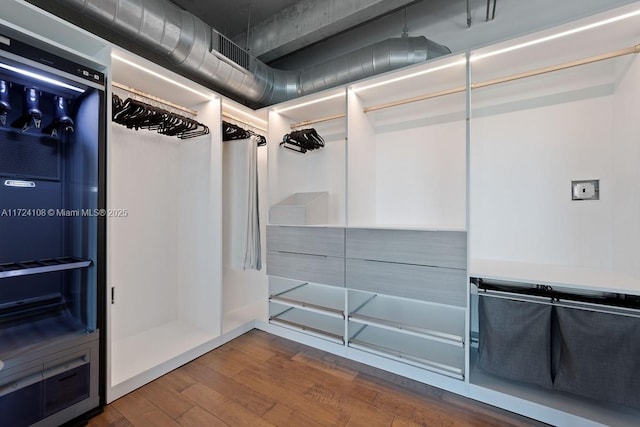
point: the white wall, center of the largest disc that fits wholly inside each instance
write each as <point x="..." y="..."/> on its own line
<point x="144" y="179"/>
<point x="522" y="166"/>
<point x="420" y="176"/>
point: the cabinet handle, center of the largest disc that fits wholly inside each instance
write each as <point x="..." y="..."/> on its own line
<point x="113" y="295"/>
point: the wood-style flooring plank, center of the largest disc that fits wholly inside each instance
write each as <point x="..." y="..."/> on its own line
<point x="110" y="418"/>
<point x="140" y="412"/>
<point x="286" y="390"/>
<point x="225" y="409"/>
<point x="263" y="380"/>
<point x="166" y="398"/>
<point x="245" y="396"/>
<point x="198" y="417"/>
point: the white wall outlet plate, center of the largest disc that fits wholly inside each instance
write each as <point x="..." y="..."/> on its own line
<point x="585" y="190"/>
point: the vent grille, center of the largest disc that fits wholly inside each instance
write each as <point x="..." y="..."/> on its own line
<point x="230" y="50"/>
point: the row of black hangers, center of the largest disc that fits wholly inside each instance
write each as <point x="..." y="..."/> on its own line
<point x="32" y="114"/>
<point x="137" y="115"/>
<point x="231" y="131"/>
<point x="302" y="140"/>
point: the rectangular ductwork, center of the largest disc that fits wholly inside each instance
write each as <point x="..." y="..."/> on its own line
<point x="230" y="50"/>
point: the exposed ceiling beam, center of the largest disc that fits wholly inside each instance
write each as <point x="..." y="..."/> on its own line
<point x="309" y="21"/>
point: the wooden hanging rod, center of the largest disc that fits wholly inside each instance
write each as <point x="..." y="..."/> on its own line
<point x="559" y="67"/>
<point x="236" y="119"/>
<point x="320" y="120"/>
<point x="590" y="60"/>
<point x="459" y="89"/>
<point x="154" y="98"/>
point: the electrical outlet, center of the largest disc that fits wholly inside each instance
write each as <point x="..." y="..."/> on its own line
<point x="585" y="190"/>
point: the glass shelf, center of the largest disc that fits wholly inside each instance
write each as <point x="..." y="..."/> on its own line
<point x="318" y="325"/>
<point x="49" y="265"/>
<point x="433" y="356"/>
<point x="320" y="299"/>
<point x="424" y="320"/>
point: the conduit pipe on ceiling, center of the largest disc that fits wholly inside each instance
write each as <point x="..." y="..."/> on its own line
<point x="185" y="41"/>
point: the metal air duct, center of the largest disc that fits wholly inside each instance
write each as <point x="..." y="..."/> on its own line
<point x="186" y="41"/>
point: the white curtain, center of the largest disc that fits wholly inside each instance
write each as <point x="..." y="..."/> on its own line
<point x="241" y="186"/>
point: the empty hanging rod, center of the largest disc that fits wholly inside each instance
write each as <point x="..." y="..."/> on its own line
<point x="622" y="52"/>
<point x="154" y="98"/>
<point x="320" y="120"/>
<point x="232" y="117"/>
<point x="559" y="67"/>
<point x="416" y="99"/>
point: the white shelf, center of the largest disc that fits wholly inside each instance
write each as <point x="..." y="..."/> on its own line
<point x="411" y="227"/>
<point x="318" y="325"/>
<point x="434" y="356"/>
<point x="320" y="299"/>
<point x="133" y="355"/>
<point x="556" y="275"/>
<point x="543" y="404"/>
<point x="430" y="321"/>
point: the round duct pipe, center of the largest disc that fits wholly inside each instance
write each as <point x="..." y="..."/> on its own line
<point x="185" y="41"/>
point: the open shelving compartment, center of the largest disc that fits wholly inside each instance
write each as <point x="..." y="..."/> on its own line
<point x="315" y="309"/>
<point x="548" y="109"/>
<point x="437" y="322"/>
<point x="412" y="120"/>
<point x="317" y="171"/>
<point x="165" y="304"/>
<point x="423" y="334"/>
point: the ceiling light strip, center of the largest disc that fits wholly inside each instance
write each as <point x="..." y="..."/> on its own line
<point x="226" y="106"/>
<point x="244" y="122"/>
<point x="559" y="67"/>
<point x="412" y="75"/>
<point x="557" y="35"/>
<point x="154" y="98"/>
<point x="540" y="71"/>
<point x="320" y="120"/>
<point x="162" y="77"/>
<point x="315" y="101"/>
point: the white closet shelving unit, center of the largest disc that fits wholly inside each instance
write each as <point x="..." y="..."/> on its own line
<point x="488" y="152"/>
<point x="547" y="110"/>
<point x="407" y="186"/>
<point x="164" y="258"/>
<point x="410" y="315"/>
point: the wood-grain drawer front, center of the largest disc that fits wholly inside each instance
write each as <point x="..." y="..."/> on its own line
<point x="435" y="284"/>
<point x="310" y="268"/>
<point x="434" y="248"/>
<point x="306" y="240"/>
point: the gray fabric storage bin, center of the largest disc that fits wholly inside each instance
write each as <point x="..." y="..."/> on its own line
<point x="600" y="356"/>
<point x="515" y="340"/>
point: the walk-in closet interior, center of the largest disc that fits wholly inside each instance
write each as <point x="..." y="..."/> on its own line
<point x="469" y="221"/>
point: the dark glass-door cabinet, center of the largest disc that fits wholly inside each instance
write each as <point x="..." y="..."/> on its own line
<point x="51" y="235"/>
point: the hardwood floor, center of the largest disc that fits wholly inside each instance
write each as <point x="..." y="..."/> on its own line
<point x="262" y="380"/>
